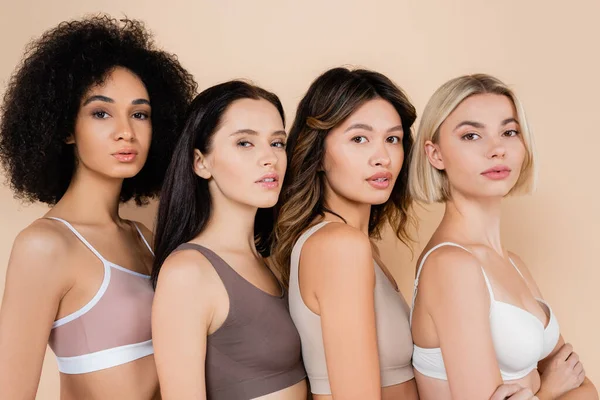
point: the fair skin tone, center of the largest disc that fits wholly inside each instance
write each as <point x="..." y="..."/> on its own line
<point x="49" y="261"/>
<point x="249" y="143"/>
<point x="453" y="303"/>
<point x="368" y="142"/>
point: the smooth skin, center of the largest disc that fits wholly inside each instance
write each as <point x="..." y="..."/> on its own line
<point x="453" y="304"/>
<point x="51" y="274"/>
<point x="336" y="270"/>
<point x="191" y="302"/>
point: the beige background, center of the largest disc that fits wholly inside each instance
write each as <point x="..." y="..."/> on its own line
<point x="548" y="51"/>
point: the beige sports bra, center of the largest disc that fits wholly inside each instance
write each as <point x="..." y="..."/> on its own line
<point x="394" y="340"/>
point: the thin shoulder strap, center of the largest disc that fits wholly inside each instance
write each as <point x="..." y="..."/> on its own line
<point x="416" y="286"/>
<point x="515" y="265"/>
<point x="142" y="236"/>
<point x="80" y="236"/>
<point x="489" y="286"/>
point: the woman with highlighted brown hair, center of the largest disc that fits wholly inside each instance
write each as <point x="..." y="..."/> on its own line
<point x="89" y="121"/>
<point x="346" y="178"/>
<point x="478" y="317"/>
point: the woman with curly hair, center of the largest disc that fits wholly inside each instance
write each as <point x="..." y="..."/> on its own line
<point x="89" y="120"/>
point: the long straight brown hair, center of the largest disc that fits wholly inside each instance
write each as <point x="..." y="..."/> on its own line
<point x="332" y="98"/>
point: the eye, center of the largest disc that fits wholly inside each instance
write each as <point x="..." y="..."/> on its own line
<point x="100" y="114"/>
<point x="393" y="139"/>
<point x="244" y="143"/>
<point x="471" y="136"/>
<point x="279" y="144"/>
<point x="141" y="115"/>
<point x="359" y="139"/>
<point x="511" y="133"/>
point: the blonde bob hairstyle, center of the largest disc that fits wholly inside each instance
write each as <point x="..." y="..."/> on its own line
<point x="426" y="183"/>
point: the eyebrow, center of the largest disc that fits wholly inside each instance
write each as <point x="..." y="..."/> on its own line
<point x="509" y="120"/>
<point x="474" y="124"/>
<point x="255" y="133"/>
<point x="397" y="128"/>
<point x="479" y="125"/>
<point x="109" y="100"/>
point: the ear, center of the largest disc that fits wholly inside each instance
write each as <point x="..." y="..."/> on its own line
<point x="70" y="139"/>
<point x="434" y="155"/>
<point x="200" y="165"/>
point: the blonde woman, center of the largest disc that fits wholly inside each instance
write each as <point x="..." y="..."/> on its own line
<point x="474" y="302"/>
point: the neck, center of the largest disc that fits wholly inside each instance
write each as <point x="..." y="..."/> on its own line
<point x="356" y="215"/>
<point x="91" y="198"/>
<point x="230" y="226"/>
<point x="477" y="219"/>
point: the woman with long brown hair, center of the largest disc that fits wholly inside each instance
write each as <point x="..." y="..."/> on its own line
<point x="347" y="151"/>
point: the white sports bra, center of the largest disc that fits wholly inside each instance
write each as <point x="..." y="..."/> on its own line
<point x="520" y="338"/>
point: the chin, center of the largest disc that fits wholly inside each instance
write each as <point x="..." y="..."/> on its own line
<point x="490" y="194"/>
<point x="379" y="199"/>
<point x="125" y="171"/>
<point x="266" y="203"/>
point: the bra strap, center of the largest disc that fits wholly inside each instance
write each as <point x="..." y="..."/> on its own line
<point x="80" y="236"/>
<point x="489" y="286"/>
<point x="515" y="265"/>
<point x="416" y="286"/>
<point x="142" y="236"/>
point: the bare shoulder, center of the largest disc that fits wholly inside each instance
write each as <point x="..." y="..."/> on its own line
<point x="46" y="236"/>
<point x="450" y="260"/>
<point x="40" y="252"/>
<point x="43" y="240"/>
<point x="449" y="269"/>
<point x="452" y="286"/>
<point x="187" y="269"/>
<point x="339" y="248"/>
<point x="336" y="237"/>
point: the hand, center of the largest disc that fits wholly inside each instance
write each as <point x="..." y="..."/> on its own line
<point x="563" y="373"/>
<point x="512" y="391"/>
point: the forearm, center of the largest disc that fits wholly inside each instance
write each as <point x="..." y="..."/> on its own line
<point x="587" y="391"/>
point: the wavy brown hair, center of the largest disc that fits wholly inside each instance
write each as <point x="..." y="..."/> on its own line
<point x="332" y="98"/>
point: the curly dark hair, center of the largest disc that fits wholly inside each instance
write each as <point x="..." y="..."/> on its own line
<point x="44" y="94"/>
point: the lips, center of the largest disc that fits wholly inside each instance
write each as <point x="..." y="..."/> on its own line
<point x="380" y="180"/>
<point x="268" y="178"/>
<point x="497" y="168"/>
<point x="269" y="181"/>
<point x="497" y="173"/>
<point x="125" y="155"/>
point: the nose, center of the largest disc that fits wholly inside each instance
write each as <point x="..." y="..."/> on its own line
<point x="124" y="130"/>
<point x="497" y="149"/>
<point x="267" y="157"/>
<point x="381" y="156"/>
